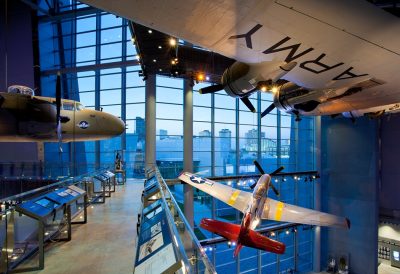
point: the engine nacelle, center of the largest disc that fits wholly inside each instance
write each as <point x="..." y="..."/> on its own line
<point x="292" y="98"/>
<point x="240" y="79"/>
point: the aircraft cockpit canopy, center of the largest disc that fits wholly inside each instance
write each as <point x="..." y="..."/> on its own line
<point x="79" y="106"/>
<point x="72" y="106"/>
<point x="20" y="90"/>
<point x="68" y="106"/>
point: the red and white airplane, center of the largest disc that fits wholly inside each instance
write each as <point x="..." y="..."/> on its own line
<point x="255" y="207"/>
<point x="317" y="57"/>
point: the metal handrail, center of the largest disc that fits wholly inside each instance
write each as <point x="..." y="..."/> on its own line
<point x="199" y="247"/>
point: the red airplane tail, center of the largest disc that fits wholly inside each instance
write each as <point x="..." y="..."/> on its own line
<point x="252" y="239"/>
<point x="237" y="250"/>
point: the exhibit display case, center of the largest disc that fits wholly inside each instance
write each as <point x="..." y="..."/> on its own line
<point x="31" y="219"/>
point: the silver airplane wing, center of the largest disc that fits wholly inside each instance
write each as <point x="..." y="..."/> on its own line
<point x="279" y="211"/>
<point x="231" y="196"/>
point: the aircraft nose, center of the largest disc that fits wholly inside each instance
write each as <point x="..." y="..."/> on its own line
<point x="117" y="126"/>
<point x="111" y="124"/>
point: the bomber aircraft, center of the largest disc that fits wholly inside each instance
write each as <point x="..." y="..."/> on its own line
<point x="316" y="57"/>
<point x="25" y="117"/>
<point x="255" y="207"/>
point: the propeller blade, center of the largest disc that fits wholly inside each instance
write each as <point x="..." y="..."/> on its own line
<point x="253" y="185"/>
<point x="268" y="110"/>
<point x="58" y="96"/>
<point x="277" y="171"/>
<point x="58" y="116"/>
<point x="261" y="170"/>
<point x="248" y="104"/>
<point x="211" y="89"/>
<point x="274" y="189"/>
<point x="59" y="135"/>
<point x="258" y="166"/>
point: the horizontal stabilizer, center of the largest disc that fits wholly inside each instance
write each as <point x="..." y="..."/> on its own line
<point x="227" y="230"/>
<point x="256" y="240"/>
<point x="251" y="239"/>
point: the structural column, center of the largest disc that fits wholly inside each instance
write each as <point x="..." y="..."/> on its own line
<point x="150" y="121"/>
<point x="188" y="147"/>
<point x="317" y="195"/>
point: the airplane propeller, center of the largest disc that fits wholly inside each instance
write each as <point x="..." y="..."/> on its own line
<point x="268" y="110"/>
<point x="58" y="107"/>
<point x="261" y="170"/>
<point x="248" y="104"/>
<point x="211" y="89"/>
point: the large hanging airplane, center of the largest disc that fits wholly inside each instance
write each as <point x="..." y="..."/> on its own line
<point x="255" y="207"/>
<point x="317" y="57"/>
<point x="28" y="118"/>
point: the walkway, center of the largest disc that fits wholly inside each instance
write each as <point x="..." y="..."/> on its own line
<point x="106" y="243"/>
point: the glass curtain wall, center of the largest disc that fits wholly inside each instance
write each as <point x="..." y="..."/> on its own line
<point x="96" y="57"/>
<point x="97" y="60"/>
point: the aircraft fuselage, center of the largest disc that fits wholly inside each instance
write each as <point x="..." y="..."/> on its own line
<point x="254" y="211"/>
<point x="25" y="118"/>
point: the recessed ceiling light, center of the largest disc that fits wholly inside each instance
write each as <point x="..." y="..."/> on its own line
<point x="160" y="47"/>
<point x="160" y="70"/>
<point x="154" y="60"/>
<point x="150" y="31"/>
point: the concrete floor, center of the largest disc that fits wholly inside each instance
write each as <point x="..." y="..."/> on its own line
<point x="106" y="244"/>
<point x="385" y="268"/>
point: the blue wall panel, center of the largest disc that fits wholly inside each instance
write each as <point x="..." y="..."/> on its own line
<point x="349" y="188"/>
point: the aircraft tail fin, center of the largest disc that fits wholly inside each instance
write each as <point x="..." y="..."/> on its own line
<point x="252" y="239"/>
<point x="256" y="240"/>
<point x="237" y="250"/>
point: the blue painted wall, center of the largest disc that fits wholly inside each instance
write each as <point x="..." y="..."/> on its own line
<point x="390" y="187"/>
<point x="349" y="188"/>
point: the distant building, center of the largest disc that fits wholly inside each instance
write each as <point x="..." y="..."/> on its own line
<point x="226" y="133"/>
<point x="140" y="129"/>
<point x="205" y="133"/>
<point x="163" y="133"/>
<point x="252" y="139"/>
<point x="225" y="141"/>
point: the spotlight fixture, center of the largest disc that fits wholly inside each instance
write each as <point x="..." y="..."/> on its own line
<point x="207" y="78"/>
<point x="287" y="232"/>
<point x="172" y="42"/>
<point x="133" y="40"/>
<point x="150" y="31"/>
<point x="272" y="234"/>
<point x="264" y="88"/>
<point x="200" y="77"/>
<point x="160" y="47"/>
<point x="173" y="62"/>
